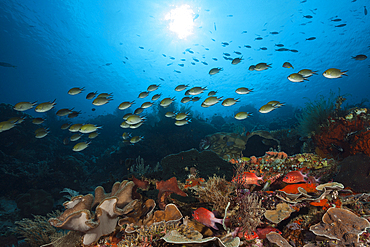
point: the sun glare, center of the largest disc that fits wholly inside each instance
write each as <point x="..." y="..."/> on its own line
<point x="181" y="21"/>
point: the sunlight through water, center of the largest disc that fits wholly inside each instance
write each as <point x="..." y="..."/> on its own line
<point x="181" y="21"/>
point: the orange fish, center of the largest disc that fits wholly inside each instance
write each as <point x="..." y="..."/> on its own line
<point x="293" y="188"/>
<point x="294" y="177"/>
<point x="247" y="178"/>
<point x="262" y="232"/>
<point x="206" y="217"/>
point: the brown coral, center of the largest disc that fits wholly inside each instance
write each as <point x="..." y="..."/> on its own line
<point x="282" y="211"/>
<point x="78" y="215"/>
<point x="342" y="225"/>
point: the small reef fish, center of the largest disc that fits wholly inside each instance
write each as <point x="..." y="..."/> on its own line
<point x="197" y="90"/>
<point x="101" y="101"/>
<point x="206" y="217"/>
<point x="91" y="95"/>
<point x="24" y="106"/>
<point x="181" y="87"/>
<point x="136" y="139"/>
<point x="93" y="135"/>
<point x="334" y="73"/>
<point x="88" y="128"/>
<point x="38" y="120"/>
<point x="359" y="57"/>
<point x="64" y="112"/>
<point x="166" y="102"/>
<point x="80" y="146"/>
<point x="76" y="90"/>
<point x="125" y="105"/>
<point x="153" y="87"/>
<point x="307" y="72"/>
<point x="41" y="132"/>
<point x="248" y="236"/>
<point x="242" y="115"/>
<point x="295" y="77"/>
<point x="267" y="108"/>
<point x="212" y="93"/>
<point x="215" y="71"/>
<point x="293" y="188"/>
<point x="294" y="177"/>
<point x="156" y="96"/>
<point x="236" y="61"/>
<point x="247" y="178"/>
<point x="74" y="114"/>
<point x="44" y="107"/>
<point x="288" y="65"/>
<point x="142" y="95"/>
<point x="262" y="66"/>
<point x="182" y="122"/>
<point x="229" y="102"/>
<point x="185" y="100"/>
<point x="3" y="64"/>
<point x="262" y="232"/>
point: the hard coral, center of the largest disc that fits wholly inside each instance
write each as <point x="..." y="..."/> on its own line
<point x="342" y="225"/>
<point x="282" y="211"/>
<point x="78" y="215"/>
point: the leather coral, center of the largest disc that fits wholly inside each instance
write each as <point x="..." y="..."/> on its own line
<point x="78" y="215"/>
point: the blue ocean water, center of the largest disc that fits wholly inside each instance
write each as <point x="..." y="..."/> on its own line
<point x="121" y="47"/>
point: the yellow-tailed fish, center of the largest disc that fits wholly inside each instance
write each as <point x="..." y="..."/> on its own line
<point x="124" y="125"/>
<point x="185" y="99"/>
<point x="125" y="105"/>
<point x="93" y="135"/>
<point x="181" y="87"/>
<point x="181" y="116"/>
<point x="243" y="90"/>
<point x="212" y="93"/>
<point x="307" y="72"/>
<point x="182" y="122"/>
<point x="334" y="73"/>
<point x="229" y="102"/>
<point x="195" y="99"/>
<point x="197" y="90"/>
<point x="65" y="126"/>
<point x="138" y="111"/>
<point x="288" y="65"/>
<point x="5" y="125"/>
<point x="105" y="95"/>
<point x="38" y="120"/>
<point x="252" y="68"/>
<point x="64" y="112"/>
<point x="215" y="71"/>
<point x="88" y="128"/>
<point x="74" y="114"/>
<point x="262" y="66"/>
<point x="135" y="126"/>
<point x="75" y="137"/>
<point x="44" y="107"/>
<point x="295" y="77"/>
<point x="359" y="57"/>
<point x="75" y="127"/>
<point x="134" y="119"/>
<point x="76" y="90"/>
<point x="166" y="102"/>
<point x="146" y="105"/>
<point x="127" y="115"/>
<point x="142" y="95"/>
<point x="242" y="115"/>
<point x="16" y="120"/>
<point x="41" y="132"/>
<point x="266" y="108"/>
<point x="80" y="146"/>
<point x="170" y="114"/>
<point x="156" y="97"/>
<point x="237" y="60"/>
<point x="24" y="106"/>
<point x="153" y="87"/>
<point x="126" y="135"/>
<point x="211" y="100"/>
<point x="136" y="139"/>
<point x="101" y="101"/>
<point x="91" y="95"/>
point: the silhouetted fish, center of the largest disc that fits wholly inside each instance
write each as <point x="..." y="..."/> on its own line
<point x="308" y="16"/>
<point x="214" y="58"/>
<point x="282" y="49"/>
<point x="177" y="71"/>
<point x="7" y="65"/>
<point x="141" y="47"/>
<point x="292" y="50"/>
<point x="227" y="54"/>
<point x="311" y="38"/>
<point x="247" y="46"/>
<point x="279" y="45"/>
<point x="172" y="58"/>
<point x="237" y="52"/>
<point x="365" y="10"/>
<point x="258" y="38"/>
<point x="341" y="25"/>
<point x="274" y="33"/>
<point x="336" y="19"/>
<point x="196" y="60"/>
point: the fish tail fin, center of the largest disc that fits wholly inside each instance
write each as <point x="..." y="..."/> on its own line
<point x="344" y="72"/>
<point x="54" y="102"/>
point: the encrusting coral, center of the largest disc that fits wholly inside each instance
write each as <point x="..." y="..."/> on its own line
<point x="79" y="217"/>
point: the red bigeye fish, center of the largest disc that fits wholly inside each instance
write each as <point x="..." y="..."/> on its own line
<point x="294" y="177"/>
<point x="262" y="232"/>
<point x="247" y="178"/>
<point x="206" y="217"/>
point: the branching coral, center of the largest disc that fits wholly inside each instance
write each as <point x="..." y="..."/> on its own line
<point x="38" y="231"/>
<point x="217" y="192"/>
